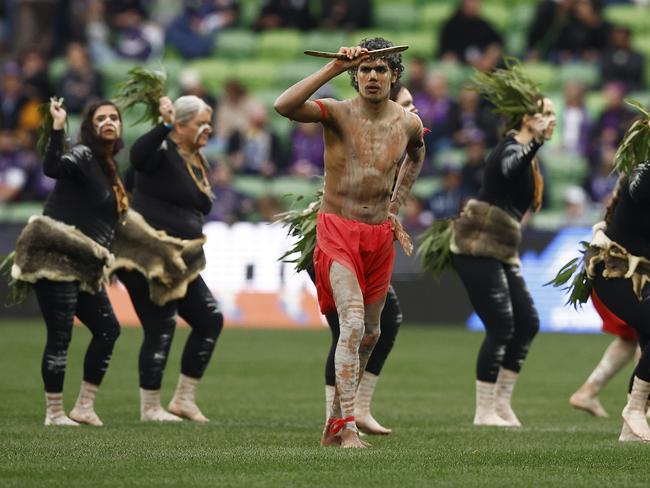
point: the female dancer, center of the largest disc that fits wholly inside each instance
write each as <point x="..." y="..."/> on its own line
<point x="64" y="253"/>
<point x="173" y="195"/>
<point x="618" y="266"/>
<point x="617" y="355"/>
<point x="486" y="235"/>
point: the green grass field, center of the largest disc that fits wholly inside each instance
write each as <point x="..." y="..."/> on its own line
<point x="264" y="394"/>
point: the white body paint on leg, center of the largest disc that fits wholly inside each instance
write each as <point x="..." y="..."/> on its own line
<point x="349" y="305"/>
<point x="84" y="410"/>
<point x="54" y="414"/>
<point x="329" y="399"/>
<point x="183" y="404"/>
<point x="616" y="356"/>
<point x="505" y="385"/>
<point x="634" y="413"/>
<point x="486" y="405"/>
<point x="151" y="410"/>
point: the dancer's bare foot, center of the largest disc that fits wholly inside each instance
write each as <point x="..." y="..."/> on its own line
<point x="585" y="400"/>
<point x="637" y="423"/>
<point x="85" y="416"/>
<point x="60" y="420"/>
<point x="350" y="439"/>
<point x="188" y="410"/>
<point x="328" y="439"/>
<point x="368" y="425"/>
<point x="627" y="435"/>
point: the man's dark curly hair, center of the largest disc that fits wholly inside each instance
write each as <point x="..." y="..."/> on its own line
<point x="394" y="60"/>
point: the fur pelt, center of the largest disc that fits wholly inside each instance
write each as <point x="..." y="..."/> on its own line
<point x="619" y="263"/>
<point x="484" y="230"/>
<point x="56" y="251"/>
<point x="168" y="263"/>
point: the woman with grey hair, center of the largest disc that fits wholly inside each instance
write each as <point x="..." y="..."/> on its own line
<point x="173" y="194"/>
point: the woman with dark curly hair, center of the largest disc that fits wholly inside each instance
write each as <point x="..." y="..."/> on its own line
<point x="65" y="254"/>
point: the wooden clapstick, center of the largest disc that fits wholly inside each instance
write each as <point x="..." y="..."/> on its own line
<point x="375" y="53"/>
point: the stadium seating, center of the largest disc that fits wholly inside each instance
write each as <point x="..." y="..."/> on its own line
<point x="268" y="62"/>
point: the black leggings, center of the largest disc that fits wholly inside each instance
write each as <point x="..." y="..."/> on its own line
<point x="618" y="296"/>
<point x="60" y="301"/>
<point x="499" y="295"/>
<point x="198" y="308"/>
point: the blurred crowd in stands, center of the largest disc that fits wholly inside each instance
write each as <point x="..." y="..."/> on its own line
<point x="59" y="47"/>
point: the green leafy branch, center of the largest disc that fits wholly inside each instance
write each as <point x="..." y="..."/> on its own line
<point x="573" y="278"/>
<point x="301" y="224"/>
<point x="434" y="250"/>
<point x="142" y="87"/>
<point x="510" y="90"/>
<point x="635" y="147"/>
<point x="47" y="125"/>
<point x="18" y="290"/>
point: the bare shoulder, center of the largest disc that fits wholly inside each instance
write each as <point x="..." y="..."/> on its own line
<point x="413" y="122"/>
<point x="331" y="110"/>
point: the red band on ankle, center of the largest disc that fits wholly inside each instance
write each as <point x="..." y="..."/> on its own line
<point x="336" y="425"/>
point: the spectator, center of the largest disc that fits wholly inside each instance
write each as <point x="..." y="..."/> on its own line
<point x="307" y="150"/>
<point x="133" y="37"/>
<point x="468" y="38"/>
<point x="233" y="109"/>
<point x="446" y="202"/>
<point x="256" y="149"/>
<point x="13" y="166"/>
<point x="473" y="121"/>
<point x="551" y="17"/>
<point x="80" y="83"/>
<point x="436" y="109"/>
<point x="268" y="207"/>
<point x="35" y="24"/>
<point x="194" y="31"/>
<point x="284" y="14"/>
<point x="585" y="35"/>
<point x="575" y="123"/>
<point x="472" y="172"/>
<point x="191" y="84"/>
<point x="577" y="212"/>
<point x="37" y="82"/>
<point x="229" y="205"/>
<point x="5" y="29"/>
<point x="346" y="14"/>
<point x="415" y="218"/>
<point x="602" y="180"/>
<point x="17" y="109"/>
<point x="417" y="76"/>
<point x="612" y="124"/>
<point x="620" y="63"/>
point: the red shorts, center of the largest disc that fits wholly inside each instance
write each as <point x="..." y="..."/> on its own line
<point x="366" y="250"/>
<point x="611" y="323"/>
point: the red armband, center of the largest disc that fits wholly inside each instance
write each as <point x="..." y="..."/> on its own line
<point x="323" y="110"/>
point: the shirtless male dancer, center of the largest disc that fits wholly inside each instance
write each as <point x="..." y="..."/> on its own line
<point x="365" y="139"/>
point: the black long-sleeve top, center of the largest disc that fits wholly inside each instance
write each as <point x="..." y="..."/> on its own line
<point x="630" y="222"/>
<point x="164" y="192"/>
<point x="508" y="180"/>
<point x="83" y="195"/>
